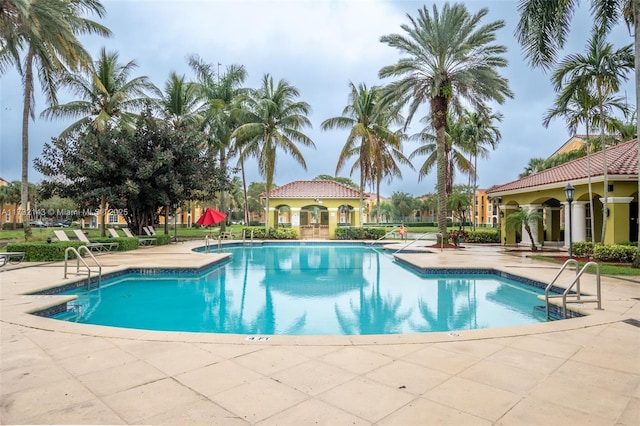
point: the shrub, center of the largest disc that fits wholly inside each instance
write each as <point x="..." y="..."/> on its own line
<point x="614" y="252"/>
<point x="582" y="249"/>
<point x="162" y="240"/>
<point x="124" y="243"/>
<point x="8" y="226"/>
<point x="484" y="236"/>
<point x="282" y="234"/>
<point x="458" y="236"/>
<point x="358" y="233"/>
<point x="44" y="252"/>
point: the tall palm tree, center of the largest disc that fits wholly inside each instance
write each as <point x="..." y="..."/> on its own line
<point x="455" y="152"/>
<point x="448" y="57"/>
<point x="544" y="26"/>
<point x="180" y="103"/>
<point x="221" y="94"/>
<point x="43" y="41"/>
<point x="479" y="130"/>
<point x="603" y="69"/>
<point x="273" y="120"/>
<point x="581" y="108"/>
<point x="107" y="95"/>
<point x="375" y="146"/>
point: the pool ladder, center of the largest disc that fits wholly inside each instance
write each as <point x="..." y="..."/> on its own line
<point x="79" y="259"/>
<point x="575" y="297"/>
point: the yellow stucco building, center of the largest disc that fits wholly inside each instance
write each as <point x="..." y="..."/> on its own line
<point x="544" y="191"/>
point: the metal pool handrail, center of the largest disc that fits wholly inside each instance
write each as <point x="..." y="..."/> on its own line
<point x="420" y="237"/>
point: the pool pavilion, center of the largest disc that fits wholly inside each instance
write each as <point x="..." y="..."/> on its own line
<point x="315" y="208"/>
<point x="545" y="191"/>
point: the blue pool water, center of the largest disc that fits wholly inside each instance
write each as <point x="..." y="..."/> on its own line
<point x="307" y="290"/>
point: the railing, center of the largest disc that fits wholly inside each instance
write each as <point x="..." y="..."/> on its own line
<point x="393" y="231"/>
<point x="576" y="282"/>
<point x="79" y="259"/>
<point x="420" y="237"/>
<point x="244" y="237"/>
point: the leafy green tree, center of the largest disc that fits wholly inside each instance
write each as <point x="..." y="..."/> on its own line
<point x="448" y="56"/>
<point x="106" y="95"/>
<point x="343" y="180"/>
<point x="254" y="191"/>
<point x="523" y="218"/>
<point x="139" y="171"/>
<point x="12" y="195"/>
<point x="43" y="43"/>
<point x="273" y="120"/>
<point x="404" y="204"/>
<point x="459" y="202"/>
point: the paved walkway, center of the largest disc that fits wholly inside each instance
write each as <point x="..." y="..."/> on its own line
<point x="583" y="371"/>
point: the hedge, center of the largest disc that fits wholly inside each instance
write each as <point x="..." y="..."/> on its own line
<point x="41" y="251"/>
<point x="44" y="252"/>
<point x="605" y="252"/>
<point x="259" y="232"/>
<point x="483" y="236"/>
<point x="355" y="233"/>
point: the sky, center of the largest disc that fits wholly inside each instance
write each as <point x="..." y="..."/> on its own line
<point x="318" y="46"/>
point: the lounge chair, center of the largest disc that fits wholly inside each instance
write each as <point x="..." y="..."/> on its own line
<point x="113" y="233"/>
<point x="60" y="235"/>
<point x="153" y="231"/>
<point x="141" y="241"/>
<point x="94" y="246"/>
<point x="147" y="230"/>
<point x="12" y="257"/>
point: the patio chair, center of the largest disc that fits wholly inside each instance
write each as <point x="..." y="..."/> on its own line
<point x="153" y="231"/>
<point x="147" y="230"/>
<point x="12" y="257"/>
<point x="60" y="235"/>
<point x="113" y="233"/>
<point x="94" y="246"/>
<point x="141" y="241"/>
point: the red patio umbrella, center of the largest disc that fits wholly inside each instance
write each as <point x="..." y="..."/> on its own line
<point x="210" y="217"/>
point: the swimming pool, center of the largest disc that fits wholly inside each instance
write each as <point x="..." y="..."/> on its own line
<point x="302" y="289"/>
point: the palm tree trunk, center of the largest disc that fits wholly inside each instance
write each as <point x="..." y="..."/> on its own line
<point x="103" y="215"/>
<point x="605" y="209"/>
<point x="26" y="113"/>
<point x="378" y="200"/>
<point x="636" y="37"/>
<point x="223" y="201"/>
<point x="439" y="121"/>
<point x="244" y="193"/>
<point x="591" y="219"/>
<point x="361" y="194"/>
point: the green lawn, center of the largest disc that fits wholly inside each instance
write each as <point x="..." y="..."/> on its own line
<point x="605" y="268"/>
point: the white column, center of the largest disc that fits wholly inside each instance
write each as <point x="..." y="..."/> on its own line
<point x="579" y="221"/>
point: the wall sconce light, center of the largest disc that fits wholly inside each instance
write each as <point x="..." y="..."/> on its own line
<point x="501" y="215"/>
<point x="318" y="200"/>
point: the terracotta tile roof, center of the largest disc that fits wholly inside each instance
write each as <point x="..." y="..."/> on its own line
<point x="314" y="189"/>
<point x="622" y="159"/>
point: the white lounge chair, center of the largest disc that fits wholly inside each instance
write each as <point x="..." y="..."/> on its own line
<point x="94" y="246"/>
<point x="60" y="235"/>
<point x="113" y="233"/>
<point x="141" y="241"/>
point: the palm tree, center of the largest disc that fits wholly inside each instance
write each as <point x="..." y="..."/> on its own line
<point x="106" y="95"/>
<point x="43" y="41"/>
<point x="602" y="69"/>
<point x="179" y="102"/>
<point x="221" y="94"/>
<point x="523" y="218"/>
<point x="581" y="107"/>
<point x="455" y="153"/>
<point x="449" y="57"/>
<point x="273" y="120"/>
<point x="479" y="130"/>
<point x="375" y="146"/>
<point x="544" y="26"/>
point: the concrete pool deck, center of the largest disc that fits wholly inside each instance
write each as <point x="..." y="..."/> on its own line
<point x="574" y="372"/>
